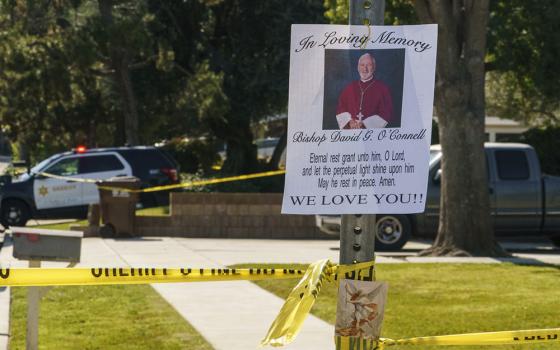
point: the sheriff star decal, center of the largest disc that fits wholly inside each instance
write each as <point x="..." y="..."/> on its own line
<point x="43" y="191"/>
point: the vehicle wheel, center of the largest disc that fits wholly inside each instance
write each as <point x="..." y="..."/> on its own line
<point x="14" y="213"/>
<point x="393" y="231"/>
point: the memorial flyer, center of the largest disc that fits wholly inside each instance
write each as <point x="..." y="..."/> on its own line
<point x="359" y="119"/>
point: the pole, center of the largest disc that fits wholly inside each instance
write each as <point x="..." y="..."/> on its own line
<point x="357" y="232"/>
<point x="33" y="298"/>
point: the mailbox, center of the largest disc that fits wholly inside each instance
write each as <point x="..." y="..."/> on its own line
<point x="46" y="245"/>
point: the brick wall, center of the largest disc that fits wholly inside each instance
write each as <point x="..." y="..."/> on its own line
<point x="228" y="215"/>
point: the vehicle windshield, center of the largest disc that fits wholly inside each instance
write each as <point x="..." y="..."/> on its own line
<point x="38" y="168"/>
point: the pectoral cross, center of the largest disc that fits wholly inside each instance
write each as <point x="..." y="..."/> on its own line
<point x="360" y="116"/>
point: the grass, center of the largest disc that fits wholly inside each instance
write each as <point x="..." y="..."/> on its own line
<point x="157" y="211"/>
<point x="103" y="317"/>
<point x="439" y="299"/>
<point x="63" y="226"/>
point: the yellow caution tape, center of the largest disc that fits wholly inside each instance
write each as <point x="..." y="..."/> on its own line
<point x="170" y="187"/>
<point x="297" y="306"/>
<point x="361" y="271"/>
<point x="487" y="338"/>
<point x="288" y="323"/>
<point x="207" y="182"/>
<point x="96" y="276"/>
<point x="354" y="343"/>
<point x="68" y="178"/>
<point x="105" y="275"/>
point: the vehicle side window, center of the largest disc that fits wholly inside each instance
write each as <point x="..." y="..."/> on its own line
<point x="147" y="159"/>
<point x="512" y="165"/>
<point x="65" y="167"/>
<point x="97" y="164"/>
<point x="147" y="164"/>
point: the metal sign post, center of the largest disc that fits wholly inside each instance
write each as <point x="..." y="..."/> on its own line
<point x="357" y="232"/>
<point x="33" y="300"/>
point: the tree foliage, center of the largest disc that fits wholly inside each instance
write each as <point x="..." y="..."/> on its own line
<point x="202" y="68"/>
<point x="544" y="140"/>
<point x="250" y="45"/>
<point x="523" y="50"/>
<point x="42" y="82"/>
<point x="397" y="12"/>
<point x="56" y="76"/>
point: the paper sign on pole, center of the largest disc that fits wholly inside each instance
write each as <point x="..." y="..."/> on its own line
<point x="359" y="118"/>
<point x="360" y="309"/>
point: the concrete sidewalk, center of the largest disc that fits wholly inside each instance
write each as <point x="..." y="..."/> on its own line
<point x="231" y="315"/>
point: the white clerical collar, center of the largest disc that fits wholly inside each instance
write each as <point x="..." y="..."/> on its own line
<point x="365" y="81"/>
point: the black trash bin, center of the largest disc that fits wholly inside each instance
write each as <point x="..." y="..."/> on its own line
<point x="117" y="206"/>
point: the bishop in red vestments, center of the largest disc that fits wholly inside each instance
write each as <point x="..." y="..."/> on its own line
<point x="365" y="103"/>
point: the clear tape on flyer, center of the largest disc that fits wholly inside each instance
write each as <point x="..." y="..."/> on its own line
<point x="169" y="187"/>
<point x="532" y="336"/>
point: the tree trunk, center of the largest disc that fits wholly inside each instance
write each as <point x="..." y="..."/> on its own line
<point x="120" y="65"/>
<point x="465" y="226"/>
<point x="92" y="134"/>
<point x="241" y="153"/>
<point x="130" y="111"/>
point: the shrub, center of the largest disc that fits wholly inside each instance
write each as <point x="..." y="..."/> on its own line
<point x="193" y="155"/>
<point x="546" y="142"/>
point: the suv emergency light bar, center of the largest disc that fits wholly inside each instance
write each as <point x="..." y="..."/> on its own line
<point x="80" y="149"/>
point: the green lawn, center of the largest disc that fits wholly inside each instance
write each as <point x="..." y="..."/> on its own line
<point x="157" y="211"/>
<point x="63" y="226"/>
<point x="439" y="299"/>
<point x="103" y="317"/>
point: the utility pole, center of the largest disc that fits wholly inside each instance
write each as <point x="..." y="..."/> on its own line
<point x="357" y="232"/>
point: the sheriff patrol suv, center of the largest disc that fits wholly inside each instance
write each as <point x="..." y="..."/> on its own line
<point x="33" y="195"/>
